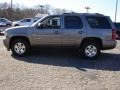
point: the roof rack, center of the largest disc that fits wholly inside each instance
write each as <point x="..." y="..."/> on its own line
<point x="84" y="13"/>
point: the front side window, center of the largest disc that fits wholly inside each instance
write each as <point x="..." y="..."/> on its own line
<point x="98" y="22"/>
<point x="51" y="23"/>
<point x="73" y="22"/>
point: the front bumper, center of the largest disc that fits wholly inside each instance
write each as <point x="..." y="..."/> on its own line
<point x="6" y="43"/>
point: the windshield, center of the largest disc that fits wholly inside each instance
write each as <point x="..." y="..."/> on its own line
<point x="38" y="21"/>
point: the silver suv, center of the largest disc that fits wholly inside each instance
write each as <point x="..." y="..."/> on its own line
<point x="89" y="32"/>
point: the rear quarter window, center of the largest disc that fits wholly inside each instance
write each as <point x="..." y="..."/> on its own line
<point x="98" y="22"/>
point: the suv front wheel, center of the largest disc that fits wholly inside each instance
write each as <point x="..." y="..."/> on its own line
<point x="90" y="50"/>
<point x="20" y="47"/>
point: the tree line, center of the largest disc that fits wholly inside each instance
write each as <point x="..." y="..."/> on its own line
<point x="18" y="11"/>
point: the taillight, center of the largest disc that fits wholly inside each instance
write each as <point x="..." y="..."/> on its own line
<point x="114" y="34"/>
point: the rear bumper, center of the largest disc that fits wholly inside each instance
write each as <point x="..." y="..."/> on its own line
<point x="109" y="45"/>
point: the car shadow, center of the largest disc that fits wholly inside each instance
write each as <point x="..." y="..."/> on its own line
<point x="71" y="58"/>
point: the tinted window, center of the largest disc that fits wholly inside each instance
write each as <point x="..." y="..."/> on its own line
<point x="117" y="25"/>
<point x="98" y="22"/>
<point x="73" y="22"/>
<point x="3" y="20"/>
<point x="26" y="20"/>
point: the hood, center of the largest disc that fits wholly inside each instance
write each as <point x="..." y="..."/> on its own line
<point x="19" y="27"/>
<point x="19" y="30"/>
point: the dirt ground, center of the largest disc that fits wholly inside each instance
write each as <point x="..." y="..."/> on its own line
<point x="59" y="69"/>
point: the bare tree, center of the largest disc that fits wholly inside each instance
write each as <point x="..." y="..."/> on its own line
<point x="19" y="12"/>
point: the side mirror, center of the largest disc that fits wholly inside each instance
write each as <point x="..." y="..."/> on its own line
<point x="39" y="25"/>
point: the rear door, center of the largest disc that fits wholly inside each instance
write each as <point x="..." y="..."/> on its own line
<point x="73" y="30"/>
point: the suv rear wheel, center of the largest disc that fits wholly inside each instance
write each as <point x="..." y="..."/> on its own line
<point x="20" y="47"/>
<point x="90" y="50"/>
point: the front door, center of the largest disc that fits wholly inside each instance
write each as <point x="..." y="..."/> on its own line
<point x="49" y="32"/>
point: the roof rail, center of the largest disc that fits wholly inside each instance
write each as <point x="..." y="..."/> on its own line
<point x="84" y="13"/>
<point x="70" y="13"/>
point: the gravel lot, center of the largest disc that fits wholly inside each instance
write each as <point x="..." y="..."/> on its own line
<point x="59" y="69"/>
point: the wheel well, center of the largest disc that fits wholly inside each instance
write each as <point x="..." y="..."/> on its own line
<point x="18" y="37"/>
<point x="8" y="24"/>
<point x="92" y="39"/>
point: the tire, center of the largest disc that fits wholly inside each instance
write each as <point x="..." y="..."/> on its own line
<point x="20" y="47"/>
<point x="90" y="50"/>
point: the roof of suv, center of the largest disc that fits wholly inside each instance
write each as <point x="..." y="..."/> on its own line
<point x="91" y="14"/>
<point x="84" y="14"/>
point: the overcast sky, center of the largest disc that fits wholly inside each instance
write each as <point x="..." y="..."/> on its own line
<point x="106" y="7"/>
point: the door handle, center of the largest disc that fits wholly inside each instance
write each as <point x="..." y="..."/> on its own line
<point x="57" y="32"/>
<point x="81" y="32"/>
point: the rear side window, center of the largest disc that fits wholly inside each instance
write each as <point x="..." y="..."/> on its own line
<point x="26" y="20"/>
<point x="73" y="22"/>
<point x="98" y="22"/>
